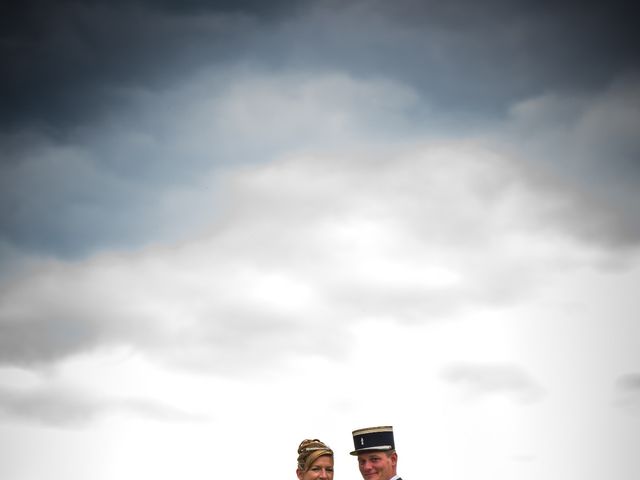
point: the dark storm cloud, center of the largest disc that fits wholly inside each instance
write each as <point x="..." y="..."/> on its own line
<point x="467" y="58"/>
<point x="64" y="60"/>
<point x="70" y="66"/>
<point x="72" y="408"/>
<point x="92" y="144"/>
<point x="479" y="380"/>
<point x="566" y="43"/>
<point x="477" y="57"/>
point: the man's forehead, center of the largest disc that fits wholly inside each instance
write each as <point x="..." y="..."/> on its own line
<point x="375" y="453"/>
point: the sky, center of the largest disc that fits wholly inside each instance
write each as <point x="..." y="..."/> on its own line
<point x="228" y="226"/>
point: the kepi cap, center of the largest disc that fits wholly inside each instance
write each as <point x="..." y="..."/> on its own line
<point x="373" y="439"/>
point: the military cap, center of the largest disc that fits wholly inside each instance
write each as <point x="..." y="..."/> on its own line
<point x="373" y="439"/>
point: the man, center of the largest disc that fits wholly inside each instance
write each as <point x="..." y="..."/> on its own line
<point x="376" y="451"/>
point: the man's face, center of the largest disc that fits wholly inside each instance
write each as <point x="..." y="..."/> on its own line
<point x="377" y="465"/>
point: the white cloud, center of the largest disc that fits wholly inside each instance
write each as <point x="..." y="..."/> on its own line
<point x="308" y="242"/>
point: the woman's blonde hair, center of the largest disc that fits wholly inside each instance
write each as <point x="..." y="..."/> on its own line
<point x="309" y="451"/>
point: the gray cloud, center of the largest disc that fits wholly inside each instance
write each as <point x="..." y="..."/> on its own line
<point x="72" y="200"/>
<point x="495" y="379"/>
<point x="589" y="144"/>
<point x="63" y="407"/>
<point x="629" y="382"/>
<point x="627" y="393"/>
<point x="151" y="177"/>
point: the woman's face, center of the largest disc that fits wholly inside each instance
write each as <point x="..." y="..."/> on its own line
<point x="321" y="469"/>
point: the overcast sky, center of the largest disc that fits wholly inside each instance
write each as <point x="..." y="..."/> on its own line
<point x="227" y="226"/>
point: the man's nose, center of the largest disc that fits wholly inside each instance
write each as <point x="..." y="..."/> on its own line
<point x="365" y="465"/>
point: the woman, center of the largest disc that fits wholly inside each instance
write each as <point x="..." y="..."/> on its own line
<point x="315" y="461"/>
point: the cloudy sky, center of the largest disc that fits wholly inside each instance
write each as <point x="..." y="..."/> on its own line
<point x="227" y="226"/>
